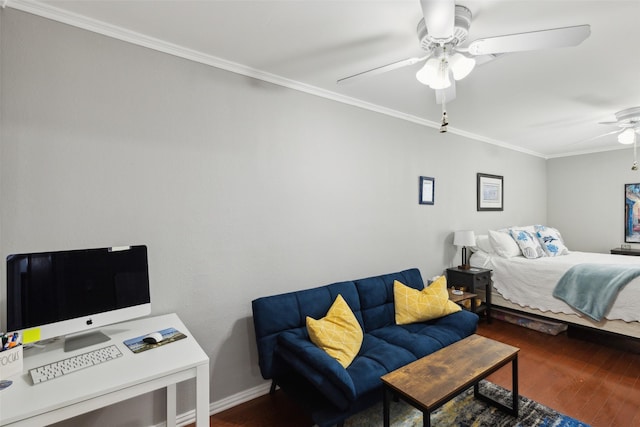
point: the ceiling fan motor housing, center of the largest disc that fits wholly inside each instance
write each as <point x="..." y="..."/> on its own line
<point x="629" y="117"/>
<point x="460" y="31"/>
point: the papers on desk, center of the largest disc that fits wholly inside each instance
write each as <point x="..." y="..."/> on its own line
<point x="169" y="335"/>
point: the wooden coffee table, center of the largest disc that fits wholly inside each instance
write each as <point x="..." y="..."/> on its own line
<point x="432" y="381"/>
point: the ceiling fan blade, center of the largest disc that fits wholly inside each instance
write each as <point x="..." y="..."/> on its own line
<point x="446" y="95"/>
<point x="534" y="40"/>
<point x="383" y="69"/>
<point x="607" y="123"/>
<point x="439" y="18"/>
<point x="596" y="137"/>
<point x="483" y="59"/>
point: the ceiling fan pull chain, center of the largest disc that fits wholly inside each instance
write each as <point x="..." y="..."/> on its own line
<point x="634" y="167"/>
<point x="445" y="121"/>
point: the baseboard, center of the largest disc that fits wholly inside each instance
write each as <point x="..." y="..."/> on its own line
<point x="238" y="398"/>
<point x="189" y="417"/>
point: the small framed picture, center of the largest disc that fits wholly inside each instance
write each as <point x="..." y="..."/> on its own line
<point x="427" y="190"/>
<point x="490" y="194"/>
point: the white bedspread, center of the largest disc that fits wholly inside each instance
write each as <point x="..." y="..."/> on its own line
<point x="530" y="282"/>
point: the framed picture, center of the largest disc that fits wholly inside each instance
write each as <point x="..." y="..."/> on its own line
<point x="632" y="213"/>
<point x="490" y="194"/>
<point x="427" y="190"/>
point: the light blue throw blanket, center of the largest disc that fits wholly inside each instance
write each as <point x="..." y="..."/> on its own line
<point x="592" y="288"/>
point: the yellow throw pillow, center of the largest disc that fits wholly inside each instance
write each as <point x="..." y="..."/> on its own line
<point x="338" y="333"/>
<point x="414" y="306"/>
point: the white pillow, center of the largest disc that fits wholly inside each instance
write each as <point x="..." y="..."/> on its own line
<point x="551" y="241"/>
<point x="483" y="243"/>
<point x="503" y="244"/>
<point x="527" y="242"/>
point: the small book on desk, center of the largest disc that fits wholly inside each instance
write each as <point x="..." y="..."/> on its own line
<point x="169" y="335"/>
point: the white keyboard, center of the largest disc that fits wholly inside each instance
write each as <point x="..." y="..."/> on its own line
<point x="75" y="363"/>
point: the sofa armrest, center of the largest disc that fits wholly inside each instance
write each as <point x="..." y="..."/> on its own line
<point x="317" y="366"/>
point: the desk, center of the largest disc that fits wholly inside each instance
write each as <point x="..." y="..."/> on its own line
<point x="24" y="404"/>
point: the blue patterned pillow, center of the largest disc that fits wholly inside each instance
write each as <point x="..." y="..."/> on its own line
<point x="527" y="242"/>
<point x="551" y="241"/>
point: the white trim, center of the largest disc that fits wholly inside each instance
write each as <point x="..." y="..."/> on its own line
<point x="80" y="21"/>
<point x="579" y="153"/>
<point x="189" y="417"/>
<point x="238" y="398"/>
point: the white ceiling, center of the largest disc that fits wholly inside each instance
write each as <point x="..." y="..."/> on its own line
<point x="545" y="102"/>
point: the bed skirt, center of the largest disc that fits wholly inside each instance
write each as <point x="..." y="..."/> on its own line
<point x="630" y="329"/>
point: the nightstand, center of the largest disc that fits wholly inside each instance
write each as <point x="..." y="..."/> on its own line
<point x="472" y="279"/>
<point x="620" y="251"/>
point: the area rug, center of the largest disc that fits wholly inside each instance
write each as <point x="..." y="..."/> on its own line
<point x="466" y="411"/>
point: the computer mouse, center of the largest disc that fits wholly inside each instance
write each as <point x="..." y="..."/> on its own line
<point x="153" y="338"/>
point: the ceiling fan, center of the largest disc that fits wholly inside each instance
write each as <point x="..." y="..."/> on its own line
<point x="628" y="122"/>
<point x="441" y="34"/>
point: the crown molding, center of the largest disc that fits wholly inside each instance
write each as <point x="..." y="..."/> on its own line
<point x="119" y="33"/>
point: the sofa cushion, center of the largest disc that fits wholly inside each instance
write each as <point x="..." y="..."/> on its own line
<point x="376" y="297"/>
<point x="413" y="306"/>
<point x="424" y="338"/>
<point x="338" y="333"/>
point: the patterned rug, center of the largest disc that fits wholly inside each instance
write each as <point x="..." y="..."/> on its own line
<point x="465" y="411"/>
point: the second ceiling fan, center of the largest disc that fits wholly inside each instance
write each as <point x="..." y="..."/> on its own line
<point x="442" y="33"/>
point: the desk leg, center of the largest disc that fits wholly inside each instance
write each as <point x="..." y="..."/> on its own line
<point x="171" y="405"/>
<point x="202" y="395"/>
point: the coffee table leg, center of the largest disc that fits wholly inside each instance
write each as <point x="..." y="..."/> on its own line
<point x="426" y="419"/>
<point x="514" y="388"/>
<point x="514" y="392"/>
<point x="385" y="406"/>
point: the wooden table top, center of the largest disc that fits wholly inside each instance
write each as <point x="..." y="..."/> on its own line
<point x="460" y="297"/>
<point x="440" y="376"/>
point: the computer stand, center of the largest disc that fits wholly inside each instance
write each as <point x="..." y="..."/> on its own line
<point x="75" y="342"/>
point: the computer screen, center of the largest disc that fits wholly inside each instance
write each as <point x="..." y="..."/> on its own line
<point x="68" y="292"/>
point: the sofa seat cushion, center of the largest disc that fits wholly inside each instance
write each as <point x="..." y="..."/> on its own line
<point x="422" y="339"/>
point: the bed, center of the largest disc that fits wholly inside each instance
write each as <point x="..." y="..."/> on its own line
<point x="527" y="284"/>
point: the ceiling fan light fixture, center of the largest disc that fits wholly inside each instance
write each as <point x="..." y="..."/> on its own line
<point x="435" y="73"/>
<point x="627" y="136"/>
<point x="461" y="65"/>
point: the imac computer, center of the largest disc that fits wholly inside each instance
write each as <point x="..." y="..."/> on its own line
<point x="72" y="293"/>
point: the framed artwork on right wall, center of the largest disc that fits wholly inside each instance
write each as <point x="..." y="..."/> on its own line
<point x="632" y="213"/>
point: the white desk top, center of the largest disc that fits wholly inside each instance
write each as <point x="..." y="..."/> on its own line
<point x="141" y="372"/>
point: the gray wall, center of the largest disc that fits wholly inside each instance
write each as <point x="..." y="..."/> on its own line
<point x="240" y="188"/>
<point x="586" y="198"/>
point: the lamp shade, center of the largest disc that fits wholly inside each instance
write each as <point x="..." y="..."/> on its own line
<point x="464" y="238"/>
<point x="435" y="73"/>
<point x="627" y="136"/>
<point x="461" y="65"/>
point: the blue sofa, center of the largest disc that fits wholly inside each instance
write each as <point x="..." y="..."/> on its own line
<point x="329" y="392"/>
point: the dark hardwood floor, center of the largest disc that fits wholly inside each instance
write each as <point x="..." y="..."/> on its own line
<point x="595" y="383"/>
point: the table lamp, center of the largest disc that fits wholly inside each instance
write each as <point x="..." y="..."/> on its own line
<point x="464" y="238"/>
